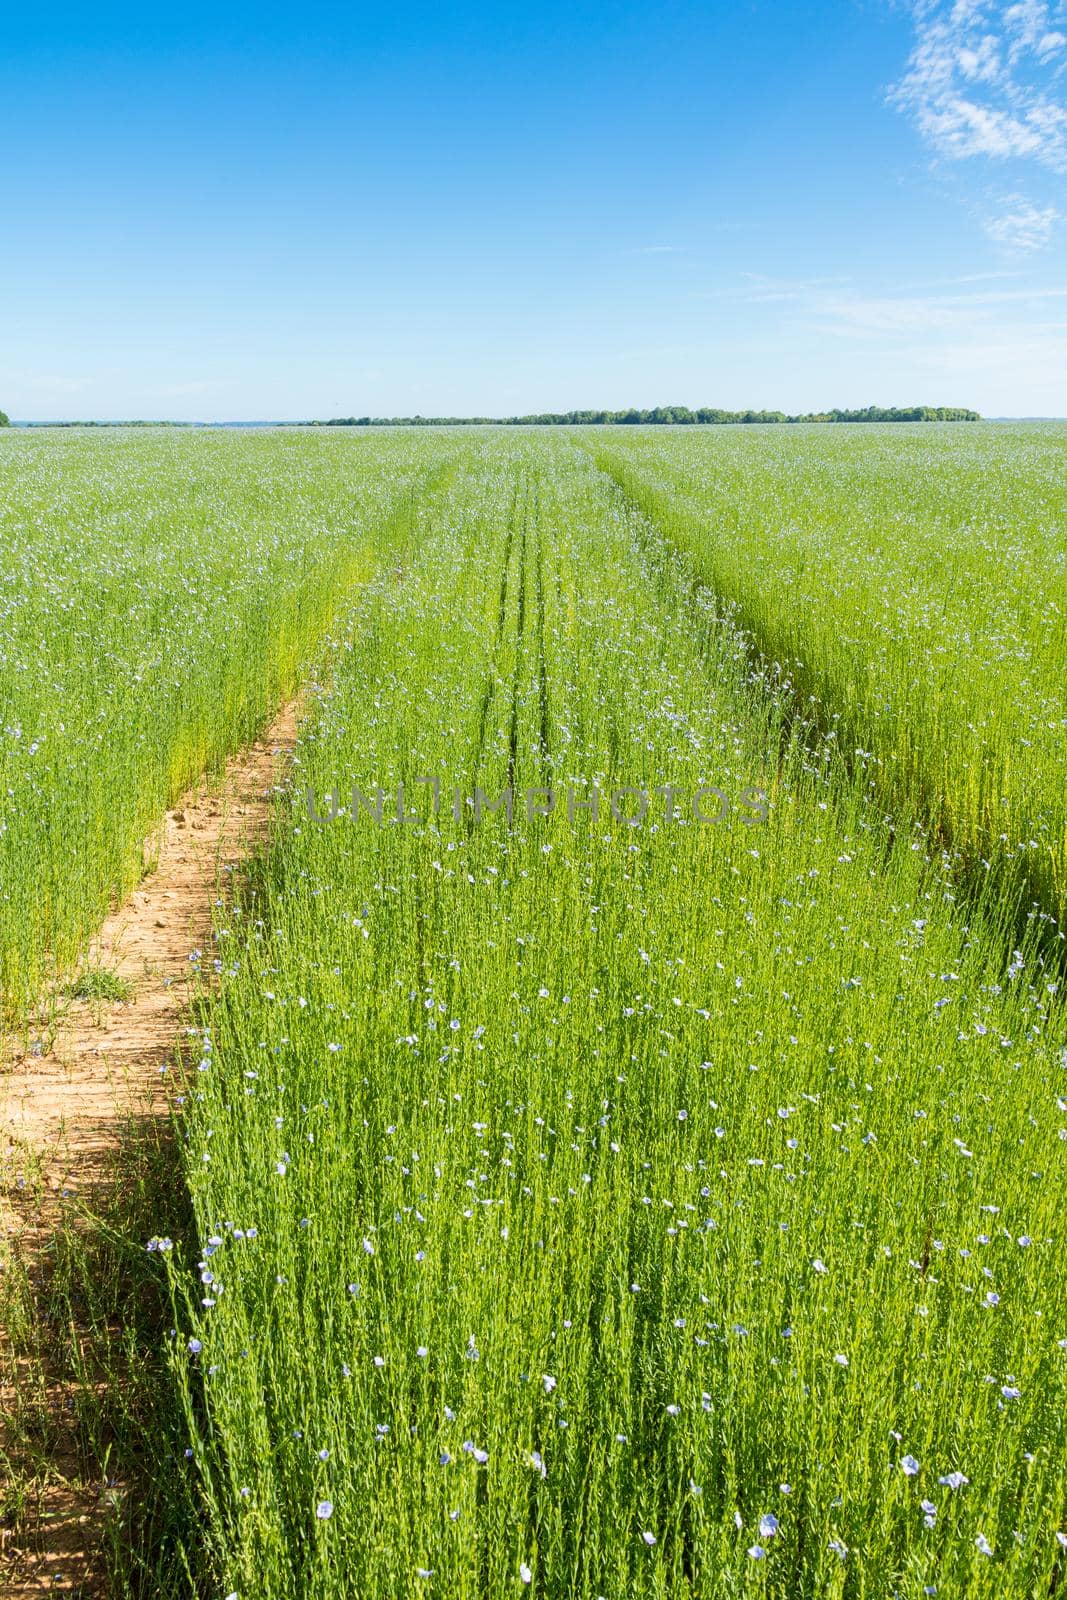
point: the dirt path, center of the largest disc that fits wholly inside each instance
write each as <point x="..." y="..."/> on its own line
<point x="63" y="1114"/>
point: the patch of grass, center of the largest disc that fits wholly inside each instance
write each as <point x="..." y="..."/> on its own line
<point x="100" y="983"/>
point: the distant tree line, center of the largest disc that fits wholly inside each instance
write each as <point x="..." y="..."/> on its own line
<point x="660" y="414"/>
<point x="668" y="414"/>
<point x="134" y="422"/>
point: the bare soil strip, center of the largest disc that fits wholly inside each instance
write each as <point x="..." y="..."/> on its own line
<point x="66" y="1105"/>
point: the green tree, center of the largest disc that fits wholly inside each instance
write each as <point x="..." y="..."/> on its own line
<point x="5" y="420"/>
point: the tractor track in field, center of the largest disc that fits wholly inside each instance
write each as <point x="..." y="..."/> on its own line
<point x="520" y="642"/>
<point x="803" y="714"/>
<point x="71" y="1092"/>
<point x="543" y="719"/>
<point x="489" y="689"/>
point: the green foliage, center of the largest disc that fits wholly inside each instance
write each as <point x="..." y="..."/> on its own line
<point x="672" y="415"/>
<point x="159" y="596"/>
<point x="572" y="1196"/>
<point x="100" y="983"/>
<point x="5" y="420"/>
<point x="87" y="1408"/>
<point x="911" y="589"/>
<point x="669" y="1209"/>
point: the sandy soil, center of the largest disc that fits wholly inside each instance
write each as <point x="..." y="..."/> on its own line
<point x="63" y="1113"/>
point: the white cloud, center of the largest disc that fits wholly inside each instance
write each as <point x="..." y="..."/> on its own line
<point x="996" y="340"/>
<point x="984" y="80"/>
<point x="969" y="314"/>
<point x="839" y="308"/>
<point x="1023" y="226"/>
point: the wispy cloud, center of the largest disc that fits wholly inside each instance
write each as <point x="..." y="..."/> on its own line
<point x="983" y="80"/>
<point x="836" y="306"/>
<point x="973" y="277"/>
<point x="958" y="313"/>
<point x="1023" y="225"/>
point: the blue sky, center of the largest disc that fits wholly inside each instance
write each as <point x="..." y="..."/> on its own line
<point x="325" y="210"/>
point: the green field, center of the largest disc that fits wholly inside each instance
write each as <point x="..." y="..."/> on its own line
<point x="911" y="590"/>
<point x="157" y="594"/>
<point x="651" y="1198"/>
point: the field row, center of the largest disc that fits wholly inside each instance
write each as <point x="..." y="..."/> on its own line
<point x="909" y="586"/>
<point x="159" y="596"/>
<point x="609" y="1208"/>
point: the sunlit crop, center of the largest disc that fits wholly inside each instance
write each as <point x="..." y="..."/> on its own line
<point x="910" y="585"/>
<point x="158" y="593"/>
<point x="669" y="1209"/>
